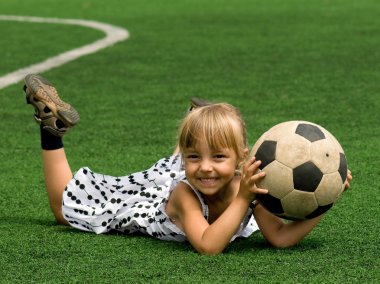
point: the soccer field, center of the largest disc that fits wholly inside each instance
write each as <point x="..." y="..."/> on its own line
<point x="275" y="60"/>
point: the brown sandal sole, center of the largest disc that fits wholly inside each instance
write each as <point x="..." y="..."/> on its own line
<point x="43" y="90"/>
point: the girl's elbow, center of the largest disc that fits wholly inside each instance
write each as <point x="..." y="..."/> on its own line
<point x="281" y="242"/>
<point x="279" y="245"/>
<point x="209" y="250"/>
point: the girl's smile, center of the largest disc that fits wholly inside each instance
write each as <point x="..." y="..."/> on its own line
<point x="208" y="181"/>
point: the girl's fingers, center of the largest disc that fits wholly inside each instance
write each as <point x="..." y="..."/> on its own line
<point x="257" y="177"/>
<point x="253" y="181"/>
<point x="248" y="163"/>
<point x="349" y="175"/>
<point x="348" y="179"/>
<point x="261" y="190"/>
<point x="346" y="185"/>
<point x="251" y="175"/>
<point x="251" y="167"/>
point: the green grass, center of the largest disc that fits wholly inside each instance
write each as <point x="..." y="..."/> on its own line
<point x="275" y="60"/>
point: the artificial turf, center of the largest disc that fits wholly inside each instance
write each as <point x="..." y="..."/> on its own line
<point x="275" y="60"/>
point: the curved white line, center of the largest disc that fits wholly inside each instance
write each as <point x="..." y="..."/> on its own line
<point x="113" y="35"/>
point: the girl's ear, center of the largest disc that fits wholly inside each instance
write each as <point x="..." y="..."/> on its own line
<point x="241" y="162"/>
<point x="245" y="153"/>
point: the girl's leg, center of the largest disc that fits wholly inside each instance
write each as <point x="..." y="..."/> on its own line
<point x="55" y="118"/>
<point x="57" y="174"/>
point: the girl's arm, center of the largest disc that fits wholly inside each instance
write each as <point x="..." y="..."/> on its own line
<point x="279" y="234"/>
<point x="213" y="238"/>
<point x="204" y="237"/>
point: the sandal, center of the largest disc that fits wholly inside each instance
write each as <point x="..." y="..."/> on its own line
<point x="51" y="112"/>
<point x="196" y="103"/>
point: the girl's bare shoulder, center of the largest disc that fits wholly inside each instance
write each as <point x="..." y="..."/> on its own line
<point x="181" y="196"/>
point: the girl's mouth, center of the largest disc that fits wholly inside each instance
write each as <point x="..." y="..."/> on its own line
<point x="208" y="181"/>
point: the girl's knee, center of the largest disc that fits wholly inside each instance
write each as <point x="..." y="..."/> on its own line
<point x="57" y="211"/>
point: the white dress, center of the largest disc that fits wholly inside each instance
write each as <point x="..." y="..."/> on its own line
<point x="134" y="203"/>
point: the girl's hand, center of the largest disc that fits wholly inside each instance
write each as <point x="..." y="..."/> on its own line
<point x="348" y="180"/>
<point x="250" y="176"/>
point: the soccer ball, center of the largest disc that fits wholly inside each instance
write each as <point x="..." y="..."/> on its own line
<point x="305" y="169"/>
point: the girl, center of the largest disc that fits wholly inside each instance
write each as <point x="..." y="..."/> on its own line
<point x="204" y="193"/>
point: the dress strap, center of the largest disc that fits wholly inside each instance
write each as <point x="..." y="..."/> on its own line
<point x="201" y="200"/>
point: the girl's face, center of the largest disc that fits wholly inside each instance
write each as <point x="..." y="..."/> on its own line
<point x="210" y="170"/>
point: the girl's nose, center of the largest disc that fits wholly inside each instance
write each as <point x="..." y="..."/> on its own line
<point x="206" y="165"/>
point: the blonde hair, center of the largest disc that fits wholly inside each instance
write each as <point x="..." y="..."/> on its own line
<point x="219" y="125"/>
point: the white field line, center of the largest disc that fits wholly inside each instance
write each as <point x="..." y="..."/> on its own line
<point x="113" y="35"/>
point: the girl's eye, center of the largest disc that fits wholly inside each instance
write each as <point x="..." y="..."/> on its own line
<point x="192" y="156"/>
<point x="220" y="156"/>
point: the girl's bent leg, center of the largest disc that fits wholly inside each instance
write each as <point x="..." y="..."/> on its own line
<point x="56" y="118"/>
<point x="57" y="175"/>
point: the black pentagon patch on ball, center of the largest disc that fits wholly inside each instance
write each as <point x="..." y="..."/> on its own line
<point x="266" y="153"/>
<point x="310" y="132"/>
<point x="320" y="210"/>
<point x="307" y="177"/>
<point x="271" y="203"/>
<point x="343" y="167"/>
